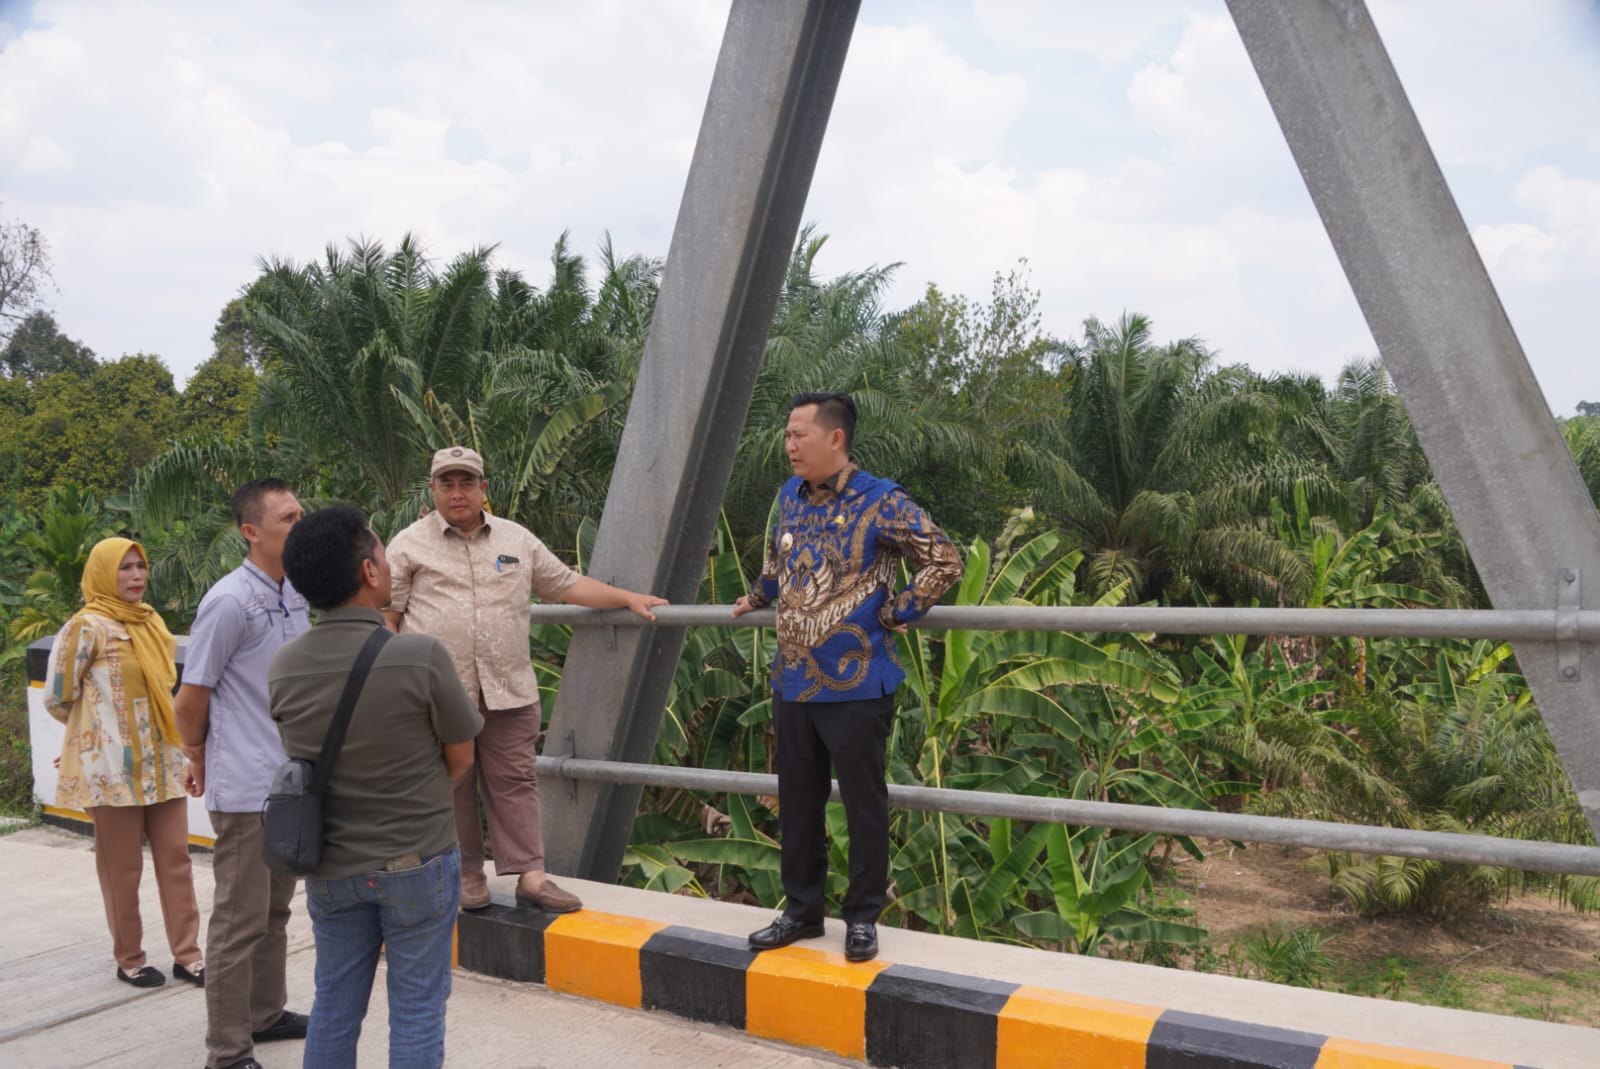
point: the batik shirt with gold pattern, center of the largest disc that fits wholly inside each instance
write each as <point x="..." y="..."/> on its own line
<point x="831" y="566"/>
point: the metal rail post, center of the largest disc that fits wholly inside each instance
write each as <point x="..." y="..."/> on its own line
<point x="765" y="117"/>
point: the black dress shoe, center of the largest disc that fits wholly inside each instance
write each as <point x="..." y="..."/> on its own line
<point x="861" y="942"/>
<point x="782" y="932"/>
<point x="290" y="1025"/>
<point x="143" y="976"/>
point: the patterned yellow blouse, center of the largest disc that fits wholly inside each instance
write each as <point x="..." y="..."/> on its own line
<point x="113" y="754"/>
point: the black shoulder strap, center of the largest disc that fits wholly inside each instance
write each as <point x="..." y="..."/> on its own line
<point x="347" y="705"/>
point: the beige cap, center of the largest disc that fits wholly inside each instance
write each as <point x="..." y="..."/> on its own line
<point x="456" y="458"/>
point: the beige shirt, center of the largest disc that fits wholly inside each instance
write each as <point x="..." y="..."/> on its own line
<point x="472" y="594"/>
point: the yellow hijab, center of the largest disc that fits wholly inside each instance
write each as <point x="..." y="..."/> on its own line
<point x="153" y="645"/>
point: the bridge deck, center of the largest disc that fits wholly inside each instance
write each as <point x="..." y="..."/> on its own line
<point x="60" y="1005"/>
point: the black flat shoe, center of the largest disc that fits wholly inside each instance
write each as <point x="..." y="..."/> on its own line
<point x="290" y="1025"/>
<point x="782" y="932"/>
<point x="196" y="975"/>
<point x="242" y="1063"/>
<point x="861" y="942"/>
<point x="143" y="976"/>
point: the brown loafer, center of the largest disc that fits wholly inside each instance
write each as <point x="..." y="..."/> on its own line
<point x="474" y="891"/>
<point x="549" y="898"/>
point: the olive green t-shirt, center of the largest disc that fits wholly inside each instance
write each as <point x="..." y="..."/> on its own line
<point x="389" y="794"/>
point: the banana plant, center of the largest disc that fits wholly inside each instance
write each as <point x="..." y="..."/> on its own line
<point x="58" y="547"/>
<point x="1096" y="879"/>
<point x="975" y="719"/>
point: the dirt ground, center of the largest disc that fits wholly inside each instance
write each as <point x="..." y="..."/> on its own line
<point x="1527" y="957"/>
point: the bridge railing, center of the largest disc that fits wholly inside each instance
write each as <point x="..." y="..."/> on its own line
<point x="1566" y="628"/>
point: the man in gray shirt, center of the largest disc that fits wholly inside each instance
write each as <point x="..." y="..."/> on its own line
<point x="222" y="718"/>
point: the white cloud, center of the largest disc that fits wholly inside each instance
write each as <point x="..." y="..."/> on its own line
<point x="42" y="156"/>
<point x="1108" y="33"/>
<point x="1126" y="150"/>
<point x="907" y="99"/>
<point x="1570" y="205"/>
<point x="1493" y="82"/>
<point x="1561" y="246"/>
<point x="1518" y="254"/>
<point x="186" y="143"/>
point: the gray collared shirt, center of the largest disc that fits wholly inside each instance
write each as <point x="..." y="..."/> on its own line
<point x="241" y="622"/>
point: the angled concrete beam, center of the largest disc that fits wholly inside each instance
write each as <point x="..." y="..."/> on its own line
<point x="768" y="109"/>
<point x="1497" y="452"/>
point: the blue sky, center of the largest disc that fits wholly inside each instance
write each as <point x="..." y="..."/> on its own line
<point x="1125" y="151"/>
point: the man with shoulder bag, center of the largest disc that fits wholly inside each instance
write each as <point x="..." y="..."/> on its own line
<point x="389" y="874"/>
<point x="292" y="822"/>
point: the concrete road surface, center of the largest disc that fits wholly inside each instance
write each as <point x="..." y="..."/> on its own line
<point x="62" y="1006"/>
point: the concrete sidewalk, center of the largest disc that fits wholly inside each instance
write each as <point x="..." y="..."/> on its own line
<point x="61" y="1004"/>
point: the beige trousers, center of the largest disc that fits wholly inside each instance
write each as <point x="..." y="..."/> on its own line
<point x="119" y="834"/>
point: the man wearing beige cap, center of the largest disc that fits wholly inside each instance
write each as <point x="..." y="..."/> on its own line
<point x="465" y="577"/>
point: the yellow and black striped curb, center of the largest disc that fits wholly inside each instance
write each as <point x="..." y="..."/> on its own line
<point x="883" y="1013"/>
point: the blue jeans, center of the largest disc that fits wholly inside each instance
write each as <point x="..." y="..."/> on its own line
<point x="411" y="915"/>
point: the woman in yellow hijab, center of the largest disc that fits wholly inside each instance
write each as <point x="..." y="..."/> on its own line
<point x="110" y="681"/>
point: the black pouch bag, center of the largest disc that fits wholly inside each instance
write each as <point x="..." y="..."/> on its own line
<point x="292" y="831"/>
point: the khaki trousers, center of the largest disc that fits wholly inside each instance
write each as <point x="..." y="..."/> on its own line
<point x="119" y="834"/>
<point x="504" y="768"/>
<point x="247" y="943"/>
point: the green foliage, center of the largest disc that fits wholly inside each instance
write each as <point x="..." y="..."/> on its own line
<point x="1458" y="749"/>
<point x="834" y="335"/>
<point x="1281" y="954"/>
<point x="998" y="368"/>
<point x="1111" y="470"/>
<point x="234" y="344"/>
<point x="16" y="756"/>
<point x="68" y="528"/>
<point x="217" y="401"/>
<point x="94" y="430"/>
<point x="38" y="349"/>
<point x="373" y="359"/>
<point x="1582" y="436"/>
<point x="1164" y="464"/>
<point x="41" y="563"/>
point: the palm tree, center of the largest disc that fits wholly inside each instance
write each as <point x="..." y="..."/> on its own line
<point x="354" y="338"/>
<point x="1380" y="459"/>
<point x="1166" y="462"/>
<point x="1360" y="432"/>
<point x="834" y="335"/>
<point x="375" y="359"/>
<point x="183" y="497"/>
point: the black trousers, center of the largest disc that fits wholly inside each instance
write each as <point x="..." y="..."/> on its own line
<point x="849" y="736"/>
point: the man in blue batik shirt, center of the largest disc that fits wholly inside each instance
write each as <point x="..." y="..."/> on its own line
<point x="831" y="566"/>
